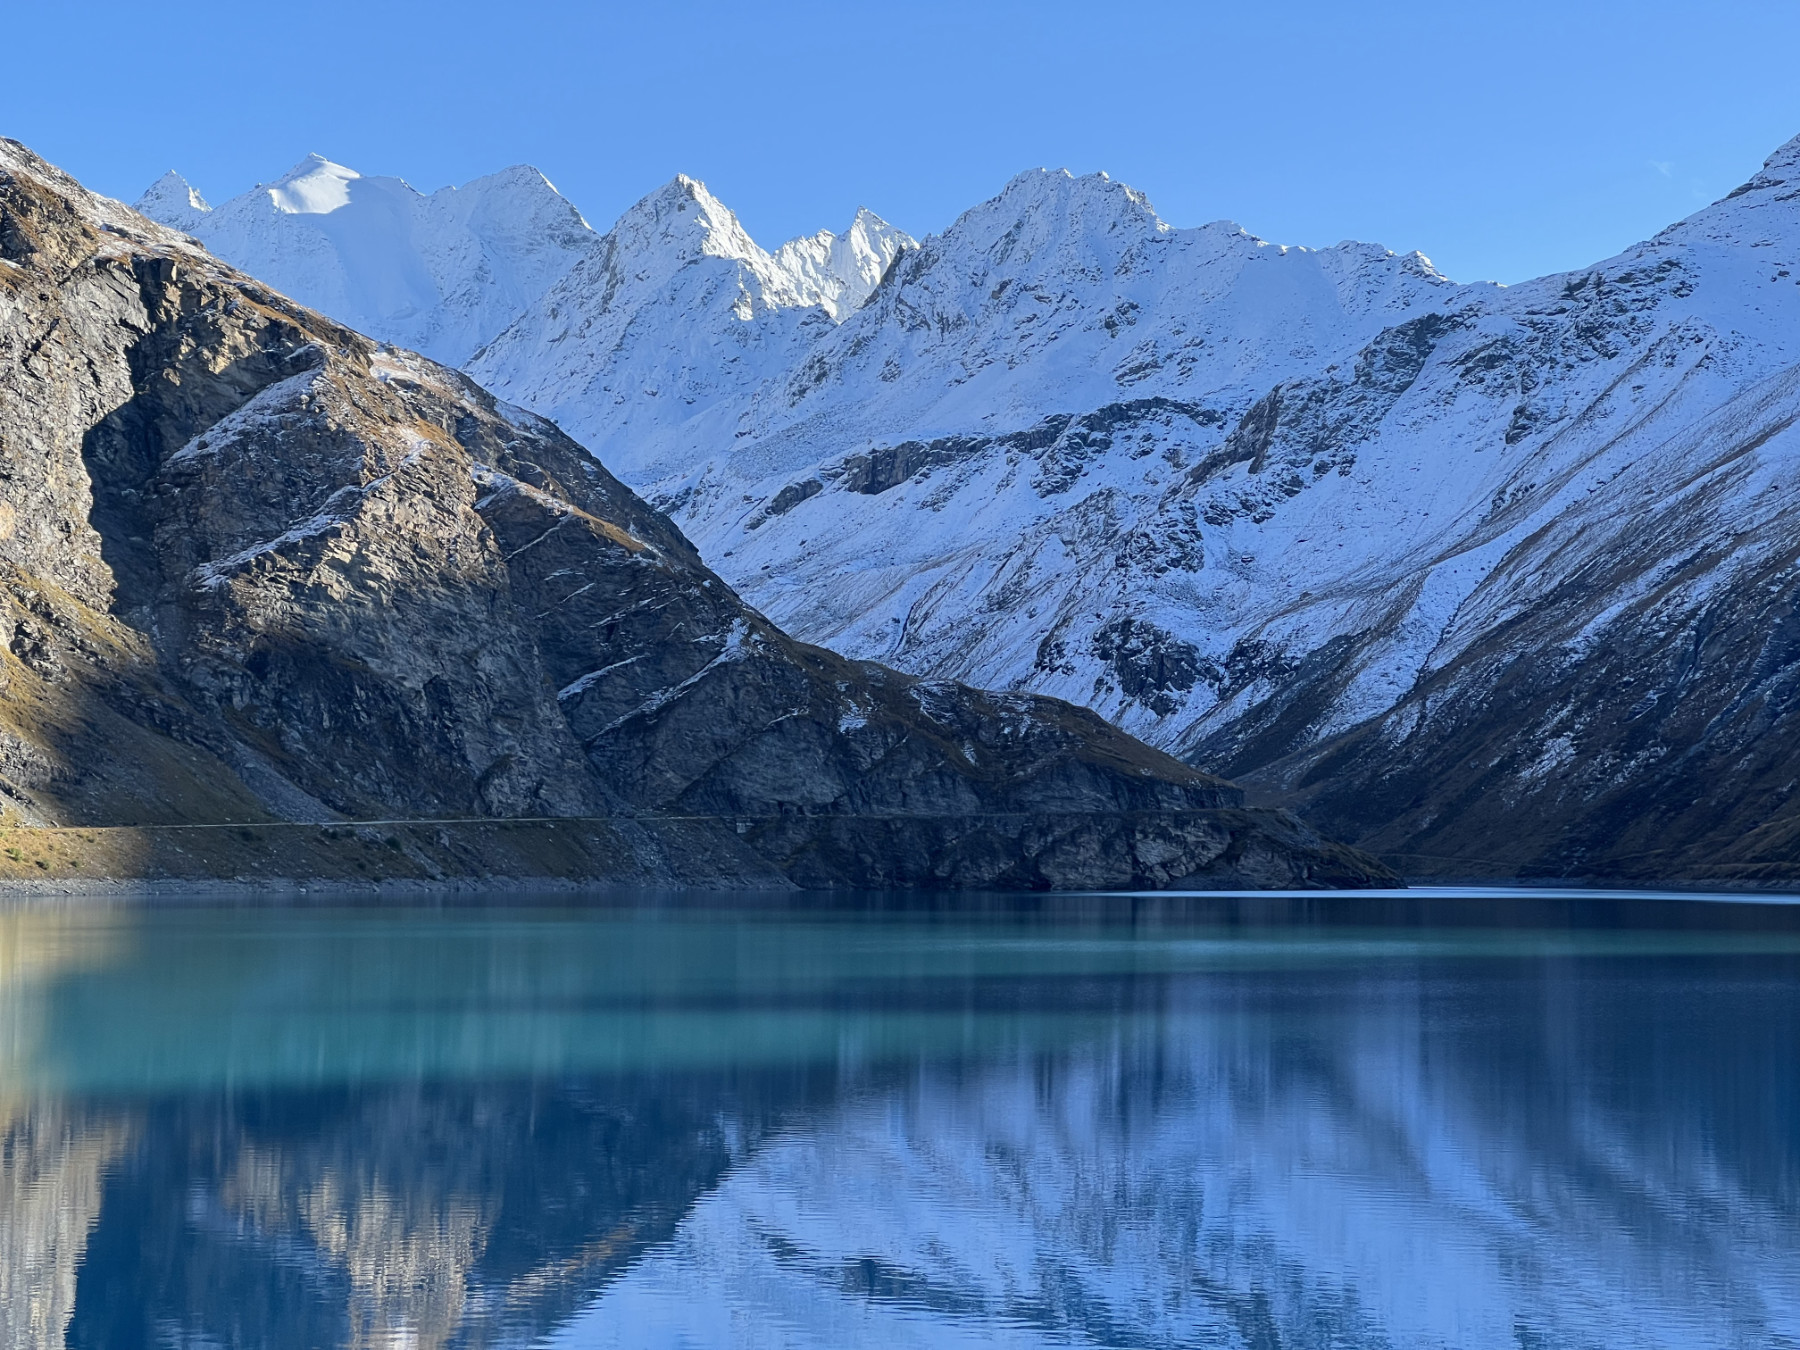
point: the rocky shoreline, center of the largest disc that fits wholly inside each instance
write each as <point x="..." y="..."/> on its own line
<point x="1225" y="848"/>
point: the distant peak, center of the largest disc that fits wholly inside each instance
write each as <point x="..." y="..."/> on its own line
<point x="683" y="217"/>
<point x="676" y="197"/>
<point x="1041" y="206"/>
<point x="840" y="271"/>
<point x="681" y="193"/>
<point x="313" y="187"/>
<point x="172" y="200"/>
<point x="1060" y="189"/>
<point x="524" y="173"/>
<point x="866" y="222"/>
<point x="681" y="189"/>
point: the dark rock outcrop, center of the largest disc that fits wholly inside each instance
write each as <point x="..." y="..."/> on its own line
<point x="255" y="567"/>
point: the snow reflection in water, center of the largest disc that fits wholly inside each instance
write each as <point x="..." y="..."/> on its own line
<point x="672" y="1129"/>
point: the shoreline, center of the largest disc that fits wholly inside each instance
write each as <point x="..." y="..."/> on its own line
<point x="600" y="857"/>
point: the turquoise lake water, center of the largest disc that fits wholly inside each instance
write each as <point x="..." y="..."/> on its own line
<point x="1437" y="1121"/>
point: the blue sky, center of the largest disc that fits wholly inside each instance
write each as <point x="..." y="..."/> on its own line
<point x="1504" y="140"/>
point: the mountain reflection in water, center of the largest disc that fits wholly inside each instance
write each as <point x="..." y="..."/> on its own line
<point x="661" y="1127"/>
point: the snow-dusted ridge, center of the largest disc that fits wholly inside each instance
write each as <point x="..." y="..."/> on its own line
<point x="446" y="273"/>
<point x="439" y="273"/>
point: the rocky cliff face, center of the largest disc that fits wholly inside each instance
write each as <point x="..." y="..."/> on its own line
<point x="256" y="565"/>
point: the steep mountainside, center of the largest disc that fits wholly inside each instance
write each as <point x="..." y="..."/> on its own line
<point x="255" y="565"/>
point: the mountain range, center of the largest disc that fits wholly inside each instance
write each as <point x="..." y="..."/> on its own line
<point x="256" y="567"/>
<point x="1492" y="580"/>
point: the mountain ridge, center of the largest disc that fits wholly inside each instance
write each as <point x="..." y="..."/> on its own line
<point x="1239" y="498"/>
<point x="256" y="567"/>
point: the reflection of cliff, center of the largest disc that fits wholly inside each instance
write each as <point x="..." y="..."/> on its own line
<point x="51" y="1163"/>
<point x="420" y="1216"/>
<point x="1541" y="1162"/>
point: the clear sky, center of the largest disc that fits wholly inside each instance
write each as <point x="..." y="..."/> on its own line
<point x="1504" y="140"/>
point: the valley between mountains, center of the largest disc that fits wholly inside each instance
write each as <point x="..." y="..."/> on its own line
<point x="281" y="600"/>
<point x="1494" y="581"/>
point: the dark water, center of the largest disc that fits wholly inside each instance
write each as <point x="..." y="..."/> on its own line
<point x="1331" y="1125"/>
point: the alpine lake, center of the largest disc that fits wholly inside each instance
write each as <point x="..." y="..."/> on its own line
<point x="1538" y="1121"/>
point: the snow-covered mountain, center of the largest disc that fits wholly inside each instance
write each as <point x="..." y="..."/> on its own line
<point x="1291" y="512"/>
<point x="447" y="273"/>
<point x="655" y="344"/>
<point x="439" y="273"/>
<point x="983" y="464"/>
<point x="1261" y="505"/>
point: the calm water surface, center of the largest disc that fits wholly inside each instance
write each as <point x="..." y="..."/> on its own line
<point x="1323" y="1125"/>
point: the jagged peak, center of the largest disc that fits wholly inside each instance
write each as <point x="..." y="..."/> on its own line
<point x="171" y="197"/>
<point x="871" y="223"/>
<point x="1786" y="156"/>
<point x="506" y="189"/>
<point x="1061" y="186"/>
<point x="527" y="177"/>
<point x="1419" y="265"/>
<point x="682" y="218"/>
<point x="839" y="271"/>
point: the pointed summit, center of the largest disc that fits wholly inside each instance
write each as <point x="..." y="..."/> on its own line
<point x="840" y="271"/>
<point x="171" y="200"/>
<point x="681" y="220"/>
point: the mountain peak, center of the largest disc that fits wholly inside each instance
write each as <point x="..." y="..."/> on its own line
<point x="1050" y="185"/>
<point x="1780" y="167"/>
<point x="1048" y="214"/>
<point x="313" y="187"/>
<point x="172" y="200"/>
<point x="840" y="271"/>
<point x="682" y="219"/>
